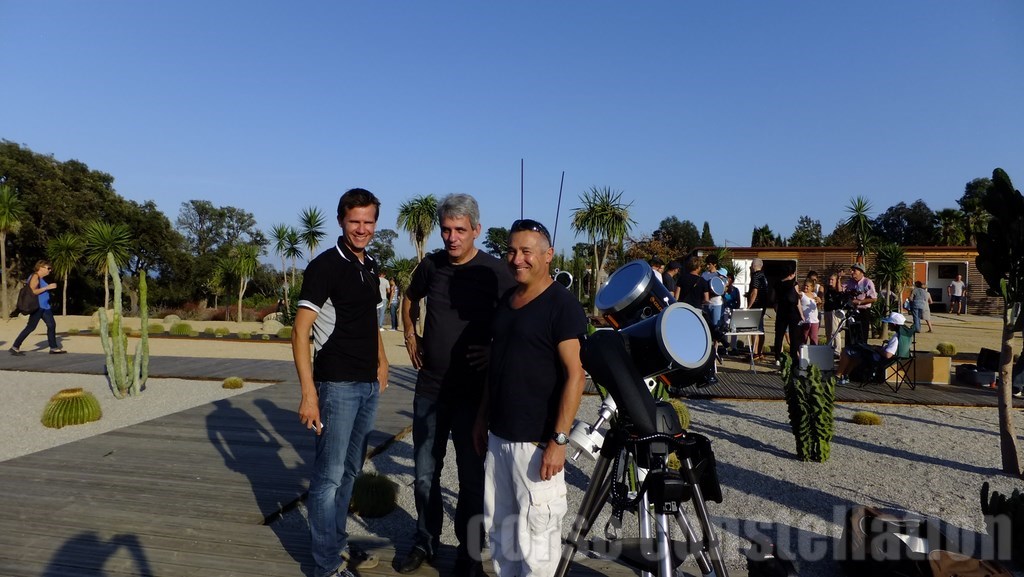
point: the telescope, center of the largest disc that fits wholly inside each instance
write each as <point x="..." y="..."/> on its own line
<point x="563" y="277"/>
<point x="654" y="341"/>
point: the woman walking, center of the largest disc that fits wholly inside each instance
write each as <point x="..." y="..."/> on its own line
<point x="42" y="289"/>
<point x="920" y="306"/>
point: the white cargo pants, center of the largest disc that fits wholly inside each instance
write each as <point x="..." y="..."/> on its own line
<point x="522" y="514"/>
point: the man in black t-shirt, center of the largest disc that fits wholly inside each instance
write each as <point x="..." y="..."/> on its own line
<point x="693" y="289"/>
<point x="757" y="298"/>
<point x="534" y="390"/>
<point x="342" y="384"/>
<point x="462" y="286"/>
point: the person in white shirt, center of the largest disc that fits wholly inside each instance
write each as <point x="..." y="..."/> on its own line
<point x="809" y="301"/>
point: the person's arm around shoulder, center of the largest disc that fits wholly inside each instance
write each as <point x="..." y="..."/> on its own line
<point x="553" y="460"/>
<point x="309" y="405"/>
<point x="410" y="314"/>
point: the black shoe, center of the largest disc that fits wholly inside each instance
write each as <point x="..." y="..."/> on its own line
<point x="413" y="560"/>
<point x="16" y="352"/>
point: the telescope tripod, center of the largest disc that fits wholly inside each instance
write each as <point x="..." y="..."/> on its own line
<point x="660" y="493"/>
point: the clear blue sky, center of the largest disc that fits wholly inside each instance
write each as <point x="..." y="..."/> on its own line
<point x="740" y="113"/>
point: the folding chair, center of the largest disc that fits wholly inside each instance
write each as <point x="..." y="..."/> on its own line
<point x="898" y="368"/>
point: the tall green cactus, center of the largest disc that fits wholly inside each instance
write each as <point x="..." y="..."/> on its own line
<point x="1004" y="521"/>
<point x="125" y="380"/>
<point x="811" y="401"/>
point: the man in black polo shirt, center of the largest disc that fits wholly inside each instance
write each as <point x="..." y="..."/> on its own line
<point x="342" y="383"/>
<point x="462" y="286"/>
<point x="534" y="390"/>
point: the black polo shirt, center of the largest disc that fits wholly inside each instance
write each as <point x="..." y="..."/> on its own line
<point x="344" y="293"/>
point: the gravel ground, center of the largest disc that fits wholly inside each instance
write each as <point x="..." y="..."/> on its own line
<point x="23" y="396"/>
<point x="925" y="460"/>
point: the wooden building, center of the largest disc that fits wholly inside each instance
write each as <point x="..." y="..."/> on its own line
<point x="934" y="266"/>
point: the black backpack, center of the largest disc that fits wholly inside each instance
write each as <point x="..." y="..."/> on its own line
<point x="28" y="301"/>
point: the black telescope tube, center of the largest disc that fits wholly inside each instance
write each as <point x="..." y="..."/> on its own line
<point x="605" y="357"/>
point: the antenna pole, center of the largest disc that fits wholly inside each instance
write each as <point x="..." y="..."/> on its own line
<point x="558" y="207"/>
<point x="520" y="188"/>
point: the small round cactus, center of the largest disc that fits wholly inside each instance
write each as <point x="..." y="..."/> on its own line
<point x="374" y="495"/>
<point x="181" y="329"/>
<point x="233" y="383"/>
<point x="946" y="349"/>
<point x="866" y="418"/>
<point x="284" y="333"/>
<point x="244" y="335"/>
<point x="221" y="332"/>
<point x="71" y="407"/>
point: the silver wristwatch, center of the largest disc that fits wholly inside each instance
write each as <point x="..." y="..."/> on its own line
<point x="560" y="439"/>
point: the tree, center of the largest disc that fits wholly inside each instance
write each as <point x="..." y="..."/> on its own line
<point x="12" y="214"/>
<point x="418" y="217"/>
<point x="102" y="238"/>
<point x="311" y="229"/>
<point x="705" y="236"/>
<point x="914" y="225"/>
<point x="65" y="251"/>
<point x="1001" y="261"/>
<point x="246" y="258"/>
<point x="951" y="227"/>
<point x="972" y="203"/>
<point x="892" y="271"/>
<point x="279" y="242"/>
<point x="841" y="235"/>
<point x="496" y="241"/>
<point x="680" y="236"/>
<point x="293" y="250"/>
<point x="602" y="217"/>
<point x="382" y="247"/>
<point x="860" y="225"/>
<point x="806" y="233"/>
<point x="763" y="236"/>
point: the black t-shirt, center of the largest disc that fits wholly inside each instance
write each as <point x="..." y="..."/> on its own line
<point x="760" y="282"/>
<point x="691" y="289"/>
<point x="526" y="372"/>
<point x="459" y="311"/>
<point x="786" y="301"/>
<point x="669" y="281"/>
<point x="344" y="294"/>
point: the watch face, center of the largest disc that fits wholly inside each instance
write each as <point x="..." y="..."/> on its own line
<point x="560" y="438"/>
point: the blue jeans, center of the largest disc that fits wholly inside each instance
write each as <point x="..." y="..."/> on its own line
<point x="394" y="316"/>
<point x="347" y="410"/>
<point x="917" y="312"/>
<point x="432" y="422"/>
<point x="33" y="322"/>
<point x="380" y="316"/>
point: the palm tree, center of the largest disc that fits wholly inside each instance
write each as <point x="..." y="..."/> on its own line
<point x="245" y="259"/>
<point x="604" y="218"/>
<point x="65" y="251"/>
<point x="891" y="270"/>
<point x="12" y="213"/>
<point x="951" y="232"/>
<point x="101" y="238"/>
<point x="279" y="237"/>
<point x="293" y="249"/>
<point x="860" y="224"/>
<point x="763" y="236"/>
<point x="311" y="221"/>
<point x="418" y="217"/>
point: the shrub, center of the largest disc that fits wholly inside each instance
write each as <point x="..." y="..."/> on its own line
<point x="373" y="495"/>
<point x="945" y="349"/>
<point x="866" y="418"/>
<point x="181" y="329"/>
<point x="222" y="332"/>
<point x="244" y="335"/>
<point x="284" y="333"/>
<point x="233" y="383"/>
<point x="71" y="407"/>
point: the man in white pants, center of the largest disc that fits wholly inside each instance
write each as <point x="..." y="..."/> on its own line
<point x="534" y="389"/>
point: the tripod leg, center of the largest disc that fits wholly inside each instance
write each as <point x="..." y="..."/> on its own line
<point x="593" y="500"/>
<point x="710" y="543"/>
<point x="644" y="525"/>
<point x="693" y="542"/>
<point x="664" y="544"/>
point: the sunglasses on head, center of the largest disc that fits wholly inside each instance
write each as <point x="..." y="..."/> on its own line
<point x="530" y="224"/>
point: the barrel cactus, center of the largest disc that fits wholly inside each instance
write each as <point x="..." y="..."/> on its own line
<point x="71" y="407"/>
<point x="233" y="383"/>
<point x="374" y="495"/>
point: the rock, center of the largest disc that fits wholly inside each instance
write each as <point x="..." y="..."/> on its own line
<point x="270" y="327"/>
<point x="172" y="319"/>
<point x="273" y="317"/>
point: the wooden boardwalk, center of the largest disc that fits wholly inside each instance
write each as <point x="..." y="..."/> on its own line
<point x="189" y="493"/>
